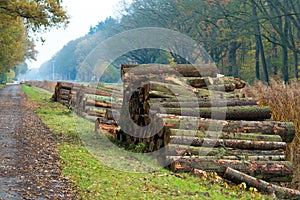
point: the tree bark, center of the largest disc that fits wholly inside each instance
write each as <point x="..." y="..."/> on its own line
<point x="259" y="42"/>
<point x="263" y="186"/>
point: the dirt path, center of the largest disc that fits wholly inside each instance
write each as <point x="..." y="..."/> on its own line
<point x="29" y="165"/>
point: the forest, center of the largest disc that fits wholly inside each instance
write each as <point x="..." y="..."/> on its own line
<point x="248" y="39"/>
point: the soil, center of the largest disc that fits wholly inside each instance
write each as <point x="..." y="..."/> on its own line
<point x="29" y="163"/>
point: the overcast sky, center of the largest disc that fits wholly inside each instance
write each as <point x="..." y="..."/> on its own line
<point x="83" y="14"/>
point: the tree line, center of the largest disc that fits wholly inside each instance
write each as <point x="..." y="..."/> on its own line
<point x="19" y="21"/>
<point x="249" y="39"/>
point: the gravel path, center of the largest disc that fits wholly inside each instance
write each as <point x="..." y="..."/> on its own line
<point x="29" y="165"/>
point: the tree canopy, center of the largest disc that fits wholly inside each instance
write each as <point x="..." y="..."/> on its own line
<point x="250" y="39"/>
<point x="19" y="18"/>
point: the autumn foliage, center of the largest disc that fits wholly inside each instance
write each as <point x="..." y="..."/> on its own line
<point x="284" y="101"/>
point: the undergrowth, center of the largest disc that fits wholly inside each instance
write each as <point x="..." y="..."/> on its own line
<point x="96" y="178"/>
<point x="285" y="103"/>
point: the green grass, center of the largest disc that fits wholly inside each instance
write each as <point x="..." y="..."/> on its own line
<point x="91" y="164"/>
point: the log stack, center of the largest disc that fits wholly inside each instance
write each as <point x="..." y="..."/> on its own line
<point x="64" y="93"/>
<point x="92" y="103"/>
<point x="200" y="122"/>
<point x="46" y="85"/>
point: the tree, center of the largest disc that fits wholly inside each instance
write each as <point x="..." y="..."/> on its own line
<point x="38" y="15"/>
<point x="18" y="18"/>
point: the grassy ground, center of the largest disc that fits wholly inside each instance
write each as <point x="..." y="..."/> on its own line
<point x="96" y="178"/>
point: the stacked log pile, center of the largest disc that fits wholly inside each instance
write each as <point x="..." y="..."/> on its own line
<point x="94" y="104"/>
<point x="46" y="85"/>
<point x="201" y="123"/>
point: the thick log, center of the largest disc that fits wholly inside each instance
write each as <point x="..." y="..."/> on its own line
<point x="226" y="135"/>
<point x="268" y="170"/>
<point x="285" y="129"/>
<point x="226" y="88"/>
<point x="263" y="186"/>
<point x="64" y="91"/>
<point x="64" y="102"/>
<point x="95" y="109"/>
<point x="104" y="98"/>
<point x="181" y="150"/>
<point x="237" y="144"/>
<point x="205" y="103"/>
<point x="159" y="94"/>
<point x="65" y="85"/>
<point x="92" y="102"/>
<point x="88" y="90"/>
<point x="95" y="113"/>
<point x="200" y="82"/>
<point x="228" y="113"/>
<point x="157" y="69"/>
<point x="227" y="157"/>
<point x="65" y="97"/>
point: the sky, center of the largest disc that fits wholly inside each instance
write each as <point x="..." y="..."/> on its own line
<point x="83" y="14"/>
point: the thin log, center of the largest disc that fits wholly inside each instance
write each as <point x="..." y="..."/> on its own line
<point x="262" y="186"/>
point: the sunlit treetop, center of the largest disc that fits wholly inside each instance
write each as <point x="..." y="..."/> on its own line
<point x="38" y="15"/>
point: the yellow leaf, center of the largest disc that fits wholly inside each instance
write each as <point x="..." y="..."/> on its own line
<point x="243" y="186"/>
<point x="252" y="189"/>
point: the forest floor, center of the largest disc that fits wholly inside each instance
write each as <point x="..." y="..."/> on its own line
<point x="29" y="163"/>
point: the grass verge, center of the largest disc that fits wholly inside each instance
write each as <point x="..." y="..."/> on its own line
<point x="95" y="180"/>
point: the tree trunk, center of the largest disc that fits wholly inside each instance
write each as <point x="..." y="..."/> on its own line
<point x="233" y="68"/>
<point x="263" y="186"/>
<point x="257" y="71"/>
<point x="259" y="42"/>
